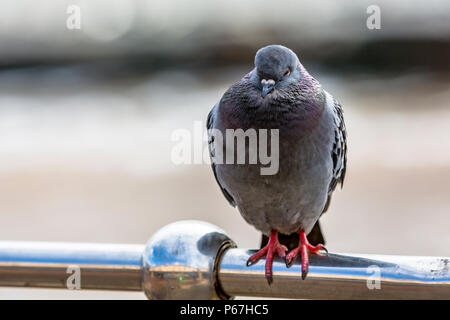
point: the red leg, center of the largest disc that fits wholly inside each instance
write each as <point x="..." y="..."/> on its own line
<point x="273" y="247"/>
<point x="303" y="249"/>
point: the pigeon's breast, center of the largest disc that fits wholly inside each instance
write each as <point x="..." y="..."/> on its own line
<point x="295" y="195"/>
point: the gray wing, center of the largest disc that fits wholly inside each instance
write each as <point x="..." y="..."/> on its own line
<point x="339" y="151"/>
<point x="210" y="125"/>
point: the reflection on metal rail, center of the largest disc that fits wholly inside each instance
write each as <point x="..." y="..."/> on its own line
<point x="196" y="260"/>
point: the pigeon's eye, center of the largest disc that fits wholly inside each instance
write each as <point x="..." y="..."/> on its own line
<point x="287" y="72"/>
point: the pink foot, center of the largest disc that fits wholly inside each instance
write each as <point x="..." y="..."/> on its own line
<point x="273" y="247"/>
<point x="303" y="249"/>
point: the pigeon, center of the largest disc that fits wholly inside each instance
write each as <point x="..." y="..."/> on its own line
<point x="279" y="94"/>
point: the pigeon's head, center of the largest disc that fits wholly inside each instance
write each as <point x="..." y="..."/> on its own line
<point x="276" y="67"/>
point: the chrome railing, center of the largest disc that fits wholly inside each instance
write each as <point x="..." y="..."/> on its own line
<point x="196" y="260"/>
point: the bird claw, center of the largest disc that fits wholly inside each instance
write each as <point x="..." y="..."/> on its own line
<point x="305" y="272"/>
<point x="286" y="262"/>
<point x="289" y="262"/>
<point x="322" y="248"/>
<point x="250" y="262"/>
<point x="269" y="279"/>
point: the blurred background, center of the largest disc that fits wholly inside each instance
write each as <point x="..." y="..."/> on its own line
<point x="86" y="117"/>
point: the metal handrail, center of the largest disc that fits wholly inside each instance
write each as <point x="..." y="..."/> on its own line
<point x="50" y="265"/>
<point x="196" y="260"/>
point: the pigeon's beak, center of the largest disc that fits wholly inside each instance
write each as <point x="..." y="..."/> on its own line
<point x="267" y="87"/>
